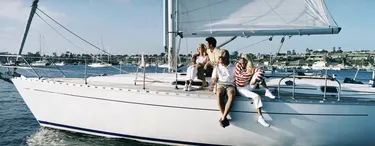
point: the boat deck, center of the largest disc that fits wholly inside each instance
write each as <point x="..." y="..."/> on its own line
<point x="205" y="93"/>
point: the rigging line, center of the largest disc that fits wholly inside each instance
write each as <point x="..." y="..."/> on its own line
<point x="253" y="44"/>
<point x="28" y="71"/>
<point x="75" y="44"/>
<point x="73" y="32"/>
<point x="279" y="48"/>
<point x="64" y="36"/>
<point x="329" y="12"/>
<point x="206" y="6"/>
<point x="278" y="14"/>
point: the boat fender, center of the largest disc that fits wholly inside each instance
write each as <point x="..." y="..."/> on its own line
<point x="289" y="83"/>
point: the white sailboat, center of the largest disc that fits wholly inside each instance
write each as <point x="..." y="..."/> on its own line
<point x="142" y="63"/>
<point x="41" y="62"/>
<point x="124" y="106"/>
<point x="102" y="63"/>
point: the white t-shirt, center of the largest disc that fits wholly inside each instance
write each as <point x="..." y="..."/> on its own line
<point x="226" y="75"/>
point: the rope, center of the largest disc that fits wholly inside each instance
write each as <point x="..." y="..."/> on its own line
<point x="76" y="36"/>
<point x="280" y="45"/>
<point x="74" y="33"/>
<point x="329" y="12"/>
<point x="206" y="6"/>
<point x="79" y="38"/>
<point x="254" y="44"/>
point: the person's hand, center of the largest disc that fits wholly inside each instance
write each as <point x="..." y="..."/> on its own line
<point x="216" y="64"/>
<point x="205" y="66"/>
<point x="249" y="71"/>
<point x="212" y="88"/>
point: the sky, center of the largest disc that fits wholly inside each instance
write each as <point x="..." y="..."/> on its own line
<point x="136" y="26"/>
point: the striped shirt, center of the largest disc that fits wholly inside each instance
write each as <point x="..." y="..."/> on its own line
<point x="243" y="78"/>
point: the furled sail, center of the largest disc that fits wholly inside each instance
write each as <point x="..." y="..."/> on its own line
<point x="201" y="18"/>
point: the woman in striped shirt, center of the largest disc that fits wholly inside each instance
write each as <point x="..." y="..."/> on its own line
<point x="247" y="76"/>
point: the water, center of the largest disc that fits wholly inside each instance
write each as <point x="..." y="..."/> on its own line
<point x="19" y="127"/>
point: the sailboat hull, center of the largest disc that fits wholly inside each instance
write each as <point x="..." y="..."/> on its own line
<point x="190" y="119"/>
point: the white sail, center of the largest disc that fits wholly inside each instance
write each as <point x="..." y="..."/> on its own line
<point x="201" y="18"/>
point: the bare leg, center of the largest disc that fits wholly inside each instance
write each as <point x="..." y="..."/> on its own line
<point x="220" y="100"/>
<point x="253" y="81"/>
<point x="230" y="93"/>
<point x="259" y="110"/>
<point x="204" y="83"/>
<point x="264" y="85"/>
<point x="268" y="92"/>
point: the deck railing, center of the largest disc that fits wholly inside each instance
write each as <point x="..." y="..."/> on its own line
<point x="325" y="84"/>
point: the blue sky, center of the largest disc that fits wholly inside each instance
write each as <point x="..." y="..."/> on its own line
<point x="135" y="26"/>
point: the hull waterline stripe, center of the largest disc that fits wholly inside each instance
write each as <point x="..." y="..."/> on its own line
<point x="123" y="135"/>
<point x="203" y="109"/>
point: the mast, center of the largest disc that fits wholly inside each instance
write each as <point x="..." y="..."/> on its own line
<point x="32" y="12"/>
<point x="40" y="46"/>
<point x="165" y="28"/>
<point x="171" y="35"/>
<point x="109" y="55"/>
<point x="102" y="47"/>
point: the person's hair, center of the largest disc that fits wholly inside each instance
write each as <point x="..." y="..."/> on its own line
<point x="204" y="49"/>
<point x="225" y="56"/>
<point x="211" y="41"/>
<point x="249" y="64"/>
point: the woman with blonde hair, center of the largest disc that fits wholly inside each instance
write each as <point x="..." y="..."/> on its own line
<point x="247" y="76"/>
<point x="199" y="59"/>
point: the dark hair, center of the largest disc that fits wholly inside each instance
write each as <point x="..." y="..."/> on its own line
<point x="211" y="41"/>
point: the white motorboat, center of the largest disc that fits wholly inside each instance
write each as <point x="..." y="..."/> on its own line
<point x="97" y="65"/>
<point x="62" y="63"/>
<point x="40" y="63"/>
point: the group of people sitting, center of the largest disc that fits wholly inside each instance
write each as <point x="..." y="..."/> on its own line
<point x="227" y="79"/>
